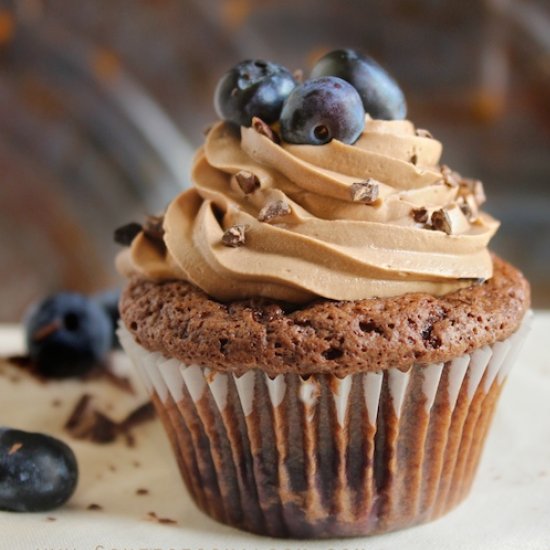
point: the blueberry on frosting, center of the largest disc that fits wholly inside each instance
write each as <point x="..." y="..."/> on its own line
<point x="381" y="95"/>
<point x="322" y="109"/>
<point x="253" y="88"/>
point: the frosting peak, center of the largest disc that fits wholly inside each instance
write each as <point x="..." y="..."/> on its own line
<point x="378" y="218"/>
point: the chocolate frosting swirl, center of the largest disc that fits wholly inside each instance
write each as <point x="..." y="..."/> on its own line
<point x="316" y="239"/>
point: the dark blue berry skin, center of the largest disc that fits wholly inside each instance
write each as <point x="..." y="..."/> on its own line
<point x="322" y="109"/>
<point x="253" y="88"/>
<point x="67" y="334"/>
<point x="381" y="95"/>
<point x="108" y="301"/>
<point x="37" y="472"/>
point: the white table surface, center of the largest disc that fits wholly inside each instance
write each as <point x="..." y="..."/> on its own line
<point x="509" y="507"/>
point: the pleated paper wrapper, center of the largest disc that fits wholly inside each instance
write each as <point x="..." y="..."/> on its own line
<point x="320" y="456"/>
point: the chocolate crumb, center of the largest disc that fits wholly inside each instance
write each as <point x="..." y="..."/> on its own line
<point x="273" y="210"/>
<point x="167" y="521"/>
<point x="56" y="403"/>
<point x="420" y="215"/>
<point x="414" y="159"/>
<point x="473" y="187"/>
<point x="234" y="236"/>
<point x="265" y="130"/>
<point x="365" y="191"/>
<point x="127" y="233"/>
<point x="248" y="182"/>
<point x="421" y="132"/>
<point x="441" y="221"/>
<point x="153" y="229"/>
<point x="94" y="506"/>
<point x="142" y="492"/>
<point x="51" y="518"/>
<point x="468" y="205"/>
<point x="450" y="177"/>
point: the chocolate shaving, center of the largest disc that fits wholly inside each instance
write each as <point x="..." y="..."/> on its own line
<point x="86" y="422"/>
<point x="234" y="236"/>
<point x="139" y="415"/>
<point x="421" y="132"/>
<point x="365" y="191"/>
<point x="247" y="181"/>
<point x="273" y="210"/>
<point x="127" y="233"/>
<point x="450" y="177"/>
<point x="420" y="215"/>
<point x="142" y="492"/>
<point x="265" y="130"/>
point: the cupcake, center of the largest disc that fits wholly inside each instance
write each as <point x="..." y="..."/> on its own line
<point x="318" y="319"/>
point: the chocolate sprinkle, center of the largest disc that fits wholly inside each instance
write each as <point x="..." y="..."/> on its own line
<point x="127" y="233"/>
<point x="248" y="182"/>
<point x="234" y="236"/>
<point x="273" y="210"/>
<point x="142" y="492"/>
<point x="365" y="191"/>
<point x="265" y="130"/>
<point x="450" y="177"/>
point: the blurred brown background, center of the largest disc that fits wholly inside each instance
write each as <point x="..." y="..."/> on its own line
<point x="103" y="102"/>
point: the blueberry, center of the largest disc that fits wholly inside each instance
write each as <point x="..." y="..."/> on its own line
<point x="67" y="335"/>
<point x="322" y="109"/>
<point x="253" y="88"/>
<point x="37" y="472"/>
<point x="381" y="95"/>
<point x="108" y="300"/>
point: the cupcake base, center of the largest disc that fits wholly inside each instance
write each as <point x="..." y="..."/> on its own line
<point x="320" y="456"/>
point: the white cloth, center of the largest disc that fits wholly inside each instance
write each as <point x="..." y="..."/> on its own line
<point x="509" y="507"/>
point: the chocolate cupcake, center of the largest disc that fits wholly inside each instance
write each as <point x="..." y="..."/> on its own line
<point x="321" y="326"/>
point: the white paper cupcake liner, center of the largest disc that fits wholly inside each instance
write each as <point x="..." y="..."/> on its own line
<point x="322" y="456"/>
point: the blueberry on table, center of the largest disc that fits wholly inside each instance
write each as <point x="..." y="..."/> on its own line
<point x="108" y="301"/>
<point x="381" y="95"/>
<point x="322" y="109"/>
<point x="253" y="88"/>
<point x="67" y="334"/>
<point x="37" y="472"/>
